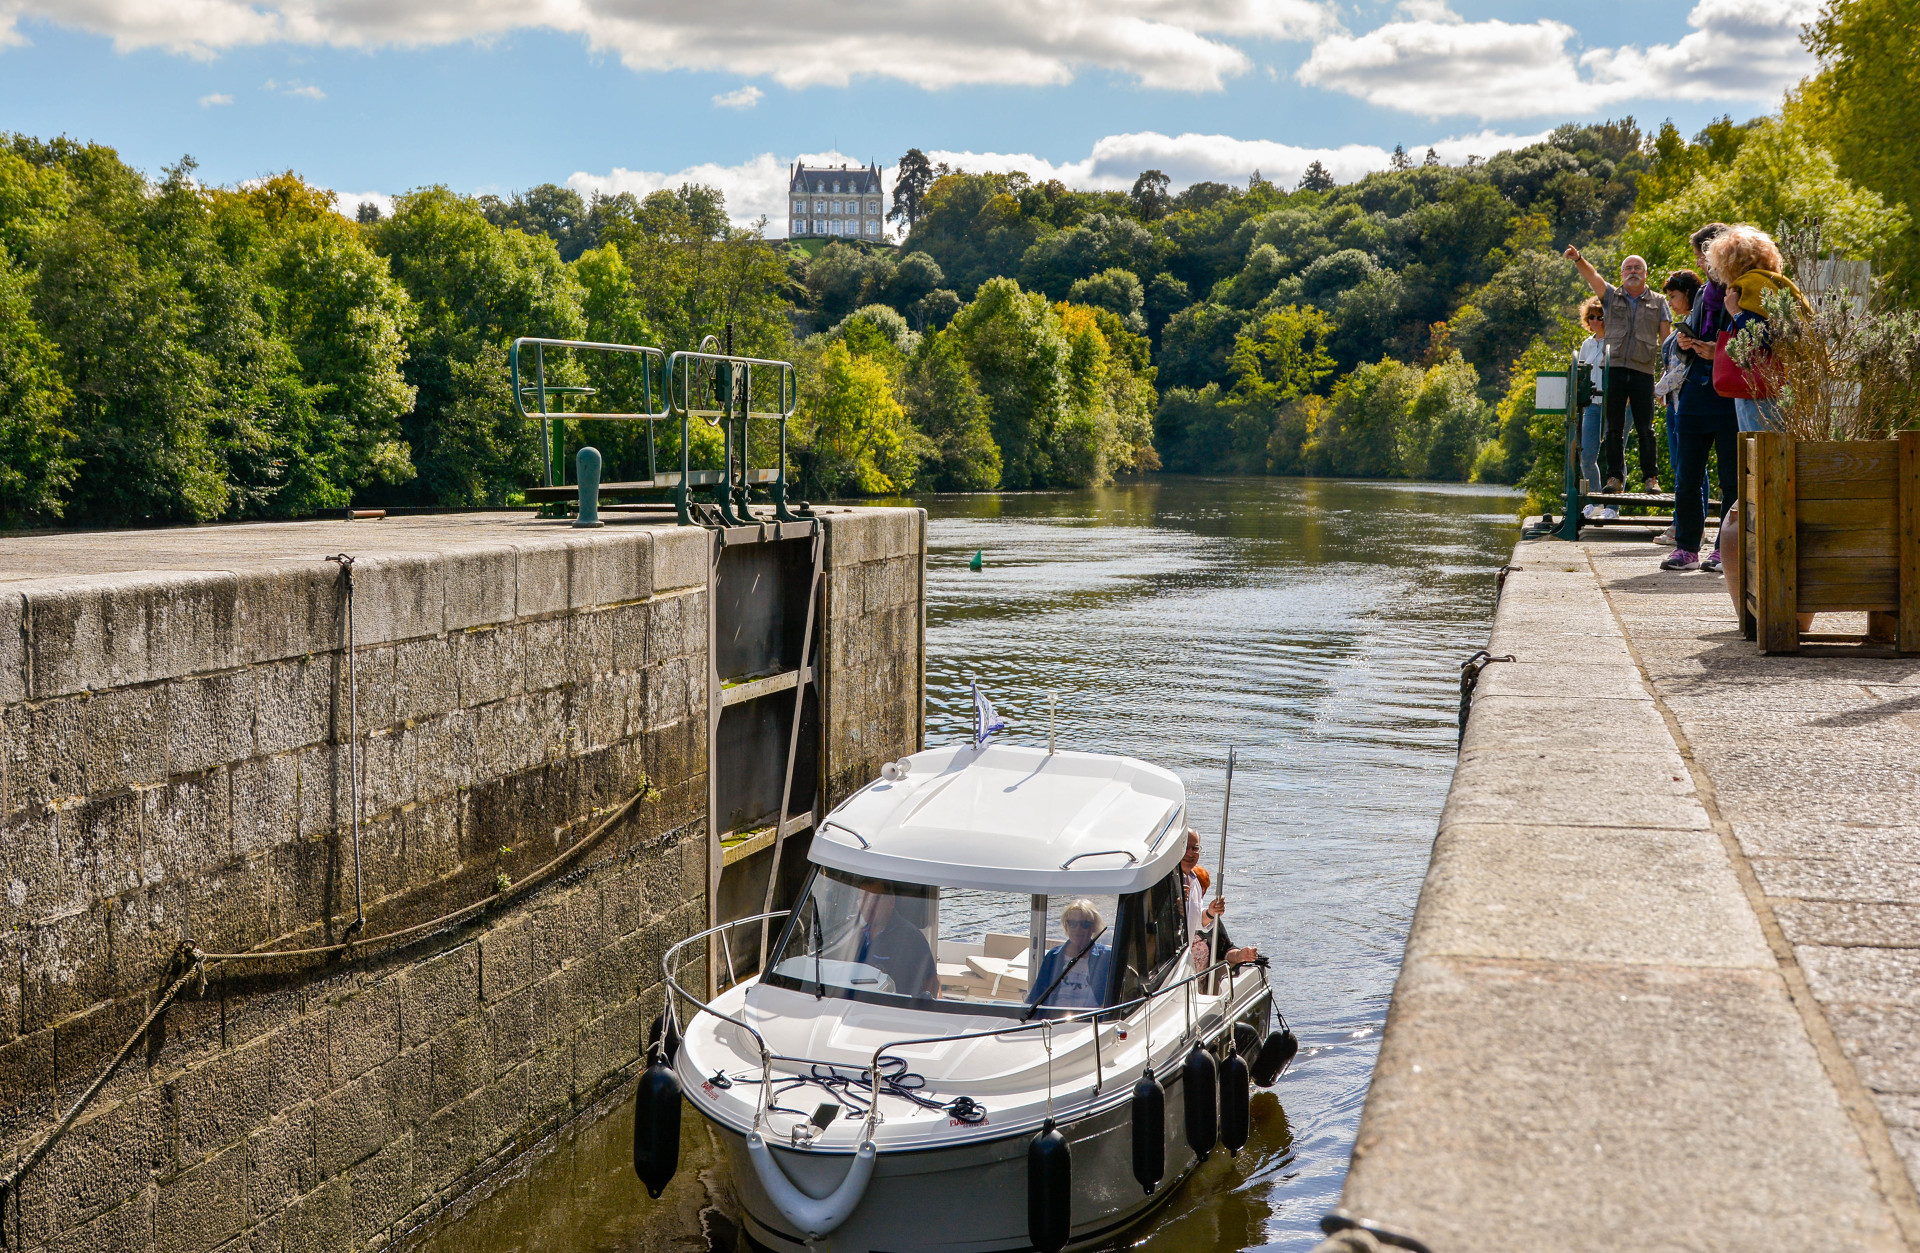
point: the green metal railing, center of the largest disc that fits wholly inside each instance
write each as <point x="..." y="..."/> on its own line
<point x="553" y="421"/>
<point x="719" y="388"/>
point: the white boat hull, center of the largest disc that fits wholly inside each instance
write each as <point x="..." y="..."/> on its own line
<point x="971" y="1197"/>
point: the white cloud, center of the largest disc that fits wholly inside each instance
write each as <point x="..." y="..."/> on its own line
<point x="349" y="202"/>
<point x="1177" y="44"/>
<point x="758" y="187"/>
<point x="755" y="188"/>
<point x="745" y="98"/>
<point x="1429" y="61"/>
<point x="218" y="97"/>
<point x="295" y="87"/>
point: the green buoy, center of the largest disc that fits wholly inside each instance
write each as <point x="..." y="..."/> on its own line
<point x="976" y="563"/>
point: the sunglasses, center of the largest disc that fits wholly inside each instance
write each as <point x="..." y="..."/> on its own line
<point x="1079" y="924"/>
<point x="1594" y="317"/>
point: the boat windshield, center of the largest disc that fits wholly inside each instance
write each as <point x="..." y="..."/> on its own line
<point x="936" y="947"/>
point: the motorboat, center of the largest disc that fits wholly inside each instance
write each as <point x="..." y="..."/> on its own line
<point x="984" y="1024"/>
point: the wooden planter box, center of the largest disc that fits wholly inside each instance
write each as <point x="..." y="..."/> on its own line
<point x="1828" y="526"/>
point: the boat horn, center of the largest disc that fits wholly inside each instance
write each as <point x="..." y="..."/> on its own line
<point x="1050" y="1189"/>
<point x="1234" y="1100"/>
<point x="656" y="1125"/>
<point x="1274" y="1055"/>
<point x="1149" y="1131"/>
<point x="1199" y="1087"/>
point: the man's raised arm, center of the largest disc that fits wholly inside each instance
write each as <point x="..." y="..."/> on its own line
<point x="1587" y="271"/>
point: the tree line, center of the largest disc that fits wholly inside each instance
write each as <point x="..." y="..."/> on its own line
<point x="172" y="352"/>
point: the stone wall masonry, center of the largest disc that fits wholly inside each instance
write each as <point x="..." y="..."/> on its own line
<point x="173" y="765"/>
<point x="874" y="646"/>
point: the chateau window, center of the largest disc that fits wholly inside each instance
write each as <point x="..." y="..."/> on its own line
<point x="873" y="206"/>
<point x="819" y="206"/>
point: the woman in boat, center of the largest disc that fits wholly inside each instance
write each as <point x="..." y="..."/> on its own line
<point x="1202" y="914"/>
<point x="1073" y="975"/>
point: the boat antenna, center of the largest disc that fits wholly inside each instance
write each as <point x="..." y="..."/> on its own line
<point x="1220" y="877"/>
<point x="1050" y="707"/>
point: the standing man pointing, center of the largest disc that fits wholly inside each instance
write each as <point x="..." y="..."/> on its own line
<point x="1636" y="324"/>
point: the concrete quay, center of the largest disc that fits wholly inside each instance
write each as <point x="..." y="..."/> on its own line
<point x="1662" y="988"/>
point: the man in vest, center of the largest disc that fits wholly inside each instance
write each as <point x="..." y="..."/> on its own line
<point x="1637" y="321"/>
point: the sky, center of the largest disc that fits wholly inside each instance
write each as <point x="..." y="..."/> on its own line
<point x="373" y="97"/>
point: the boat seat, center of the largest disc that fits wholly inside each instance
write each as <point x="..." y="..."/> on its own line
<point x="998" y="944"/>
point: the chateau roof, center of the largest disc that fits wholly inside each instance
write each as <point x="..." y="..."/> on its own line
<point x="858" y="180"/>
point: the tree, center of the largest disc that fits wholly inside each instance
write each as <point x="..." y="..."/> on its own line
<point x="1280" y="356"/>
<point x="476" y="286"/>
<point x="944" y="401"/>
<point x="1316" y="178"/>
<point x="1149" y="195"/>
<point x="915" y="276"/>
<point x="1778" y="177"/>
<point x="1102" y="242"/>
<point x="911" y="181"/>
<point x="1118" y="291"/>
<point x="1433" y="158"/>
<point x="1400" y="160"/>
<point x="1865" y="108"/>
<point x="1014" y="344"/>
<point x="853" y="434"/>
<point x="35" y="466"/>
<point x="1361" y="432"/>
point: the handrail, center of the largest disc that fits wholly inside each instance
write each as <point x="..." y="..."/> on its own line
<point x="1093" y="1017"/>
<point x="680" y="385"/>
<point x="1105" y="852"/>
<point x="542" y="389"/>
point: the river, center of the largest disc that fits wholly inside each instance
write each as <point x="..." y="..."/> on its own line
<point x="1316" y="624"/>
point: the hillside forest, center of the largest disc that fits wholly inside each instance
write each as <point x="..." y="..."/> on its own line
<point x="176" y="352"/>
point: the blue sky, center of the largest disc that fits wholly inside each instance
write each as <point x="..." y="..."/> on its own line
<point x="371" y="99"/>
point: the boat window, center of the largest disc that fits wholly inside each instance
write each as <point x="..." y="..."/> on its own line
<point x="1152" y="939"/>
<point x="958" y="948"/>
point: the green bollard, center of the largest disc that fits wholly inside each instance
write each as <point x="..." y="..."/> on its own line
<point x="587" y="463"/>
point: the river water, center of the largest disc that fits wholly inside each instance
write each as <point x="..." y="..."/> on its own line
<point x="1319" y="626"/>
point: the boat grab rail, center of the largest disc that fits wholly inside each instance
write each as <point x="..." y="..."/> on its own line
<point x="1093" y="1017"/>
<point x="1105" y="852"/>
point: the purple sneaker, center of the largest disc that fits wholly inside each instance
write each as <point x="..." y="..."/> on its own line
<point x="1681" y="560"/>
<point x="1711" y="563"/>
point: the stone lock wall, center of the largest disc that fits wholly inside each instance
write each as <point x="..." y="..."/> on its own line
<point x="173" y="766"/>
<point x="874" y="649"/>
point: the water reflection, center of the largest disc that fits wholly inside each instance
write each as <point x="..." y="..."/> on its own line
<point x="1317" y="624"/>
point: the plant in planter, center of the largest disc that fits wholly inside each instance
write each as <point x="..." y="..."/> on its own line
<point x="1829" y="513"/>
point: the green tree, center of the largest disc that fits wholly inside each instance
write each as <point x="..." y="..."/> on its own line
<point x="910" y="184"/>
<point x="854" y="434"/>
<point x="1117" y="291"/>
<point x="1779" y="177"/>
<point x="1445" y="424"/>
<point x="1149" y="195"/>
<point x="476" y="287"/>
<point x="1864" y="107"/>
<point x="1316" y="178"/>
<point x="1366" y="417"/>
<point x="945" y="405"/>
<point x="1280" y="356"/>
<point x="35" y="467"/>
<point x="1013" y="343"/>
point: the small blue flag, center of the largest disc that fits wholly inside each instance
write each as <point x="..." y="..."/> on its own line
<point x="985" y="720"/>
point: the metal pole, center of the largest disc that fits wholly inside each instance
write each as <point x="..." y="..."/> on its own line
<point x="803" y="680"/>
<point x="1220" y="878"/>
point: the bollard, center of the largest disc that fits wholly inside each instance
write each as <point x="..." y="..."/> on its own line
<point x="588" y="467"/>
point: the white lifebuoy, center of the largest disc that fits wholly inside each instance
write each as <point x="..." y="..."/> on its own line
<point x="815" y="1217"/>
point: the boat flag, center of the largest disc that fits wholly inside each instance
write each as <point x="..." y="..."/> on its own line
<point x="985" y="719"/>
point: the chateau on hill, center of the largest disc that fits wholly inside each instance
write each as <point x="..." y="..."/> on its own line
<point x="834" y="201"/>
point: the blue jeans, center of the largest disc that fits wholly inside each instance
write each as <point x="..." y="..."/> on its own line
<point x="1757" y="415"/>
<point x="1674" y="442"/>
<point x="1690" y="466"/>
<point x="1590" y="432"/>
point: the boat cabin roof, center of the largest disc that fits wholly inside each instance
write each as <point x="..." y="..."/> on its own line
<point x="1007" y="818"/>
